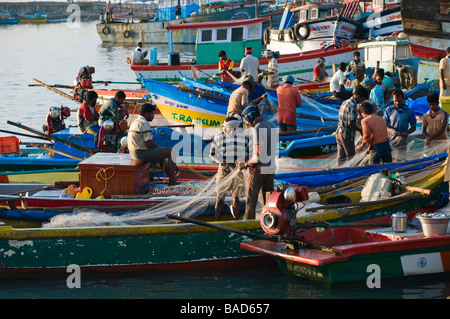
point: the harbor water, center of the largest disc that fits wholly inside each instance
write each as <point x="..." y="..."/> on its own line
<point x="53" y="54"/>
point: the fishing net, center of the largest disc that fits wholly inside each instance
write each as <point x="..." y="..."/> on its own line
<point x="199" y="204"/>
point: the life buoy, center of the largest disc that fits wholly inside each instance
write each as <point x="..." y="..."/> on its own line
<point x="302" y="31"/>
<point x="281" y="35"/>
<point x="126" y="33"/>
<point x="291" y="33"/>
<point x="266" y="37"/>
<point x="105" y="30"/>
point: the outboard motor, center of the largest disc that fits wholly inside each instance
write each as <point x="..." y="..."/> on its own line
<point x="83" y="82"/>
<point x="55" y="119"/>
<point x="279" y="215"/>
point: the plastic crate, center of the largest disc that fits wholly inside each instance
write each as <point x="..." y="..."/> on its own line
<point x="9" y="145"/>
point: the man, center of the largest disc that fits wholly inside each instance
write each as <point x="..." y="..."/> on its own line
<point x="288" y="100"/>
<point x="347" y="125"/>
<point x="358" y="69"/>
<point x="374" y="131"/>
<point x="377" y="93"/>
<point x="273" y="79"/>
<point x="337" y="83"/>
<point x="401" y="121"/>
<point x="142" y="147"/>
<point x="111" y="109"/>
<point x="444" y="74"/>
<point x="320" y="72"/>
<point x="262" y="165"/>
<point x="239" y="99"/>
<point x="408" y="77"/>
<point x="87" y="115"/>
<point x="226" y="66"/>
<point x="256" y="93"/>
<point x="250" y="64"/>
<point x="138" y="56"/>
<point x="434" y="122"/>
<point x="228" y="147"/>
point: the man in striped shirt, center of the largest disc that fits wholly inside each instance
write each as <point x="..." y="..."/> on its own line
<point x="239" y="98"/>
<point x="142" y="147"/>
<point x="227" y="147"/>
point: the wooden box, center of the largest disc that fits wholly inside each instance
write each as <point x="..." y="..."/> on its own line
<point x="116" y="174"/>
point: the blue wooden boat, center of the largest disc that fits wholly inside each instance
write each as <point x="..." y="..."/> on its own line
<point x="338" y="175"/>
<point x="209" y="111"/>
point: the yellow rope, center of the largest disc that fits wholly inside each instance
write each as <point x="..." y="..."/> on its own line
<point x="101" y="175"/>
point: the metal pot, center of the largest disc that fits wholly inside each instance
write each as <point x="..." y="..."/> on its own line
<point x="399" y="222"/>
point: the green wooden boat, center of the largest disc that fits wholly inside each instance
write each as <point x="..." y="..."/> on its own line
<point x="360" y="253"/>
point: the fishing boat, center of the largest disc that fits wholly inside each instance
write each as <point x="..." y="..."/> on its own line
<point x="214" y="36"/>
<point x="6" y="17"/>
<point x="368" y="250"/>
<point x="427" y="26"/>
<point x="314" y="27"/>
<point x="159" y="247"/>
<point x="36" y="17"/>
<point x="380" y="18"/>
<point x="154" y="30"/>
<point x="168" y="246"/>
<point x="181" y="106"/>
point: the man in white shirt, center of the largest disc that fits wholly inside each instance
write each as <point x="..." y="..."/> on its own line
<point x="337" y="83"/>
<point x="138" y="55"/>
<point x="250" y="64"/>
<point x="142" y="147"/>
<point x="444" y="73"/>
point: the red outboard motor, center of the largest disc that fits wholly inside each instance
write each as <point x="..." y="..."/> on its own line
<point x="110" y="134"/>
<point x="278" y="216"/>
<point x="83" y="82"/>
<point x="55" y="119"/>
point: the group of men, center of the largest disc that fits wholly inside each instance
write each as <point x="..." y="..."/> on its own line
<point x="110" y="127"/>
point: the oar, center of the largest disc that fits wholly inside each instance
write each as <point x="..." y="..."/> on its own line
<point x="363" y="204"/>
<point x="21" y="134"/>
<point x="55" y="86"/>
<point x="305" y="80"/>
<point x="57" y="151"/>
<point x="57" y="91"/>
<point x="54" y="138"/>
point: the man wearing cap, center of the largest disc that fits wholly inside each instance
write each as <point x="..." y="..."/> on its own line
<point x="408" y="76"/>
<point x="239" y="98"/>
<point x="288" y="100"/>
<point x="320" y="73"/>
<point x="226" y="66"/>
<point x="358" y="69"/>
<point x="273" y="79"/>
<point x="250" y="64"/>
<point x="444" y="74"/>
<point x="228" y="147"/>
<point x="262" y="159"/>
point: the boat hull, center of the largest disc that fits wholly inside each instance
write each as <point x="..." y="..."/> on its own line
<point x="155" y="31"/>
<point x="288" y="64"/>
<point x="427" y="25"/>
<point x="173" y="247"/>
<point x="393" y="264"/>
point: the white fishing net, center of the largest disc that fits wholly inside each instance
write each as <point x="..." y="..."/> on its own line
<point x="199" y="204"/>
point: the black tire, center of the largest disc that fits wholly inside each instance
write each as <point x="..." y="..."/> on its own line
<point x="291" y="33"/>
<point x="266" y="36"/>
<point x="105" y="30"/>
<point x="126" y="34"/>
<point x="302" y="35"/>
<point x="281" y="35"/>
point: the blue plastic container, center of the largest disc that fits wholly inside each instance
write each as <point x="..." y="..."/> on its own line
<point x="72" y="134"/>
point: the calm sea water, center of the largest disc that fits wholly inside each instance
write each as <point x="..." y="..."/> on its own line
<point x="53" y="54"/>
